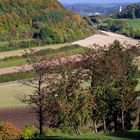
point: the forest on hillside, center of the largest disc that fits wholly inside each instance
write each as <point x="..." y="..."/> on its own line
<point x="46" y="20"/>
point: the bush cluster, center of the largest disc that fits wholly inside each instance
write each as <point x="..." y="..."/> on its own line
<point x="8" y="131"/>
<point x="28" y="132"/>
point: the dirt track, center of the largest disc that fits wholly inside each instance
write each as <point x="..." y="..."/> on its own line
<point x="105" y="39"/>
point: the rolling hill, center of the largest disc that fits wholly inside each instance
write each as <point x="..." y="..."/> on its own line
<point x="90" y="8"/>
<point x="46" y="20"/>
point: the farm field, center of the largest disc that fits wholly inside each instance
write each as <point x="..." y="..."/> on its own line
<point x="10" y="92"/>
<point x="135" y="23"/>
<point x="25" y="116"/>
<point x="105" y="39"/>
<point x="12" y="89"/>
<point x="51" y="53"/>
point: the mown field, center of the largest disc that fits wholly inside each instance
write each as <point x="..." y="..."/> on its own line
<point x="10" y="93"/>
<point x="135" y="23"/>
<point x="133" y="135"/>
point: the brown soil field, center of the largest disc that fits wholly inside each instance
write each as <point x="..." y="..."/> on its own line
<point x="19" y="117"/>
<point x="22" y="116"/>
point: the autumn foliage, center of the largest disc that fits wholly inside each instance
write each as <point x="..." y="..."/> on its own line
<point x="9" y="131"/>
<point x="20" y="19"/>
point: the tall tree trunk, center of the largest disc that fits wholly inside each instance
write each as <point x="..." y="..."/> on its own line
<point x="115" y="121"/>
<point x="78" y="130"/>
<point x="40" y="121"/>
<point x="104" y="123"/>
<point x="122" y="118"/>
<point x="95" y="127"/>
<point x="40" y="107"/>
<point x="139" y="123"/>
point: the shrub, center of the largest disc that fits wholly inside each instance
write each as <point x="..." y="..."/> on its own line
<point x="137" y="34"/>
<point x="58" y="131"/>
<point x="29" y="132"/>
<point x="9" y="131"/>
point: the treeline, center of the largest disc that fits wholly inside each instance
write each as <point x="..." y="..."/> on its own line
<point x="131" y="11"/>
<point x="34" y="19"/>
<point x="96" y="92"/>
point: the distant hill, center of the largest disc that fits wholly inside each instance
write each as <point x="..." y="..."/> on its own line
<point x="90" y="8"/>
<point x="131" y="11"/>
<point x="47" y="20"/>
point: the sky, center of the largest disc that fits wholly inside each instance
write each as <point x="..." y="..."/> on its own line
<point x="98" y="1"/>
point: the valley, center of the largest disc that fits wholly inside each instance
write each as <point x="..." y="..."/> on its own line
<point x="69" y="71"/>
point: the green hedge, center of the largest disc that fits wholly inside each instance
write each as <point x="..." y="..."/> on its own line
<point x="10" y="46"/>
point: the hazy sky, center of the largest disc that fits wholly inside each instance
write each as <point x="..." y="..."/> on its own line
<point x="99" y="1"/>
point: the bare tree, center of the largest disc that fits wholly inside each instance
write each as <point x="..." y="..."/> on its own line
<point x="38" y="100"/>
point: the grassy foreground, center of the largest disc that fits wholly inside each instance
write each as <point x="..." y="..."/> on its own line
<point x="134" y="135"/>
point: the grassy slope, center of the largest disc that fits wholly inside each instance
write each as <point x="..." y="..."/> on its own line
<point x="10" y="92"/>
<point x="133" y="135"/>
